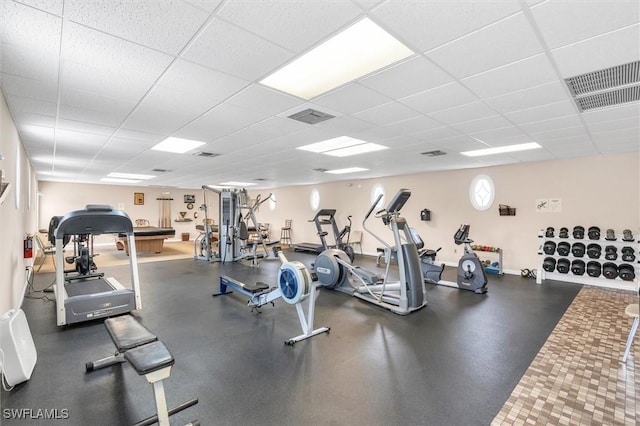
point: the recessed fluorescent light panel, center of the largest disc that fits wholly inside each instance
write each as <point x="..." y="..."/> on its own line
<point x="129" y="176"/>
<point x="117" y="180"/>
<point x="234" y="183"/>
<point x="177" y="145"/>
<point x="359" y="50"/>
<point x="502" y="149"/>
<point x="342" y="146"/>
<point x="347" y="170"/>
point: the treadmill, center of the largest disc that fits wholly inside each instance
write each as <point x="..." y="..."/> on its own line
<point x="322" y="217"/>
<point x="94" y="296"/>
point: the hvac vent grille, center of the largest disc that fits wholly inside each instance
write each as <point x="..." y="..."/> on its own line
<point x="205" y="154"/>
<point x="320" y="169"/>
<point x="609" y="78"/>
<point x="311" y="116"/>
<point x="160" y="170"/>
<point x="435" y="153"/>
<point x="607" y="99"/>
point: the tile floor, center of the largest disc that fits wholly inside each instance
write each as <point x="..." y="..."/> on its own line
<point x="578" y="377"/>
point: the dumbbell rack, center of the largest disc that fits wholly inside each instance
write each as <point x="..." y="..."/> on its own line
<point x="600" y="281"/>
<point x="495" y="250"/>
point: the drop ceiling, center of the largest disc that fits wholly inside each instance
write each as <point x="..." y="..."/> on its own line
<point x="93" y="85"/>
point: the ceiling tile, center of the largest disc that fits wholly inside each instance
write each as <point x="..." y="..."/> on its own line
<point x="531" y="97"/>
<point x="166" y="26"/>
<point x="501" y="137"/>
<point x="296" y="27"/>
<point x="200" y="82"/>
<point x="483" y="124"/>
<point x="99" y="63"/>
<point x="229" y="49"/>
<point x="19" y="104"/>
<point x="29" y="88"/>
<point x="386" y="114"/>
<point x="519" y="75"/>
<point x="542" y="112"/>
<point x="443" y="97"/>
<point x="630" y="110"/>
<point x="544" y="128"/>
<point x="566" y="22"/>
<point x="501" y="43"/>
<point x="615" y="48"/>
<point x="77" y="105"/>
<point x="260" y="98"/>
<point x="460" y="114"/>
<point x="607" y="126"/>
<point x="351" y="98"/>
<point x="406" y="78"/>
<point x="220" y="121"/>
<point x="562" y="132"/>
<point x="149" y="119"/>
<point x="206" y="5"/>
<point x="51" y="6"/>
<point x="427" y="24"/>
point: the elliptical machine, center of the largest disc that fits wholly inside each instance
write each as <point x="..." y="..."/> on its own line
<point x="402" y="297"/>
<point x="470" y="273"/>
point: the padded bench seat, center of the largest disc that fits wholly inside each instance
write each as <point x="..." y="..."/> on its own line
<point x="149" y="358"/>
<point x="127" y="333"/>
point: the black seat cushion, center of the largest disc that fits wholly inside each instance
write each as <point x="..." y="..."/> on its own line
<point x="127" y="333"/>
<point x="150" y="357"/>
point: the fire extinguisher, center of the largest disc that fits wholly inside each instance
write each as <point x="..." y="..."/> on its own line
<point x="28" y="246"/>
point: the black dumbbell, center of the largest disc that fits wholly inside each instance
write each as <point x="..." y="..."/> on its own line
<point x="628" y="255"/>
<point x="563" y="266"/>
<point x="577" y="267"/>
<point x="594" y="269"/>
<point x="564" y="232"/>
<point x="549" y="247"/>
<point x="611" y="252"/>
<point x="610" y="270"/>
<point x="549" y="232"/>
<point x="578" y="232"/>
<point x="563" y="248"/>
<point x="578" y="249"/>
<point x="626" y="272"/>
<point x="549" y="264"/>
<point x="594" y="251"/>
<point x="594" y="233"/>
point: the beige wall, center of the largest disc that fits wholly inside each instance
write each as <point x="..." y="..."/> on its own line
<point x="59" y="198"/>
<point x="601" y="190"/>
<point x="15" y="222"/>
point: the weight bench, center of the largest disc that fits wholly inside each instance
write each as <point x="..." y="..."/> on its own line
<point x="148" y="356"/>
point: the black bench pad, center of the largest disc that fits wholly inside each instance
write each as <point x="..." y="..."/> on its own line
<point x="148" y="358"/>
<point x="127" y="333"/>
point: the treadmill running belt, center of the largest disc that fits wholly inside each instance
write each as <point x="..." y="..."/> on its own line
<point x="76" y="288"/>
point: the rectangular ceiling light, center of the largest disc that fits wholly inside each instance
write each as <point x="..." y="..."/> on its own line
<point x="502" y="149"/>
<point x="357" y="51"/>
<point x="129" y="176"/>
<point x="330" y="144"/>
<point x="342" y="146"/>
<point x="347" y="170"/>
<point x="356" y="149"/>
<point x="117" y="180"/>
<point x="234" y="183"/>
<point x="177" y="145"/>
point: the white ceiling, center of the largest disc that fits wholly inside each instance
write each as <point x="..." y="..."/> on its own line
<point x="93" y="85"/>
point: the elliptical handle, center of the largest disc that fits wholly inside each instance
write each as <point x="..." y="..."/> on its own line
<point x="373" y="206"/>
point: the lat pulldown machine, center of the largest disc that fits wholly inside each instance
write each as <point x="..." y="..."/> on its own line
<point x="236" y="220"/>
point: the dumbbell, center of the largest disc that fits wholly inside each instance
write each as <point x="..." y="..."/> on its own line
<point x="594" y="251"/>
<point x="549" y="264"/>
<point x="610" y="270"/>
<point x="577" y="267"/>
<point x="626" y="272"/>
<point x="628" y="255"/>
<point x="578" y="232"/>
<point x="563" y="248"/>
<point x="594" y="269"/>
<point x="564" y="232"/>
<point x="563" y="266"/>
<point x="549" y="247"/>
<point x="594" y="233"/>
<point x="611" y="252"/>
<point x="549" y="232"/>
<point x="578" y="249"/>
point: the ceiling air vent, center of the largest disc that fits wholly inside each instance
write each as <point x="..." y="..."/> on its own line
<point x="260" y="179"/>
<point x="435" y="153"/>
<point x="607" y="99"/>
<point x="311" y="116"/>
<point x="321" y="170"/>
<point x="205" y="154"/>
<point x="605" y="88"/>
<point x="160" y="170"/>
